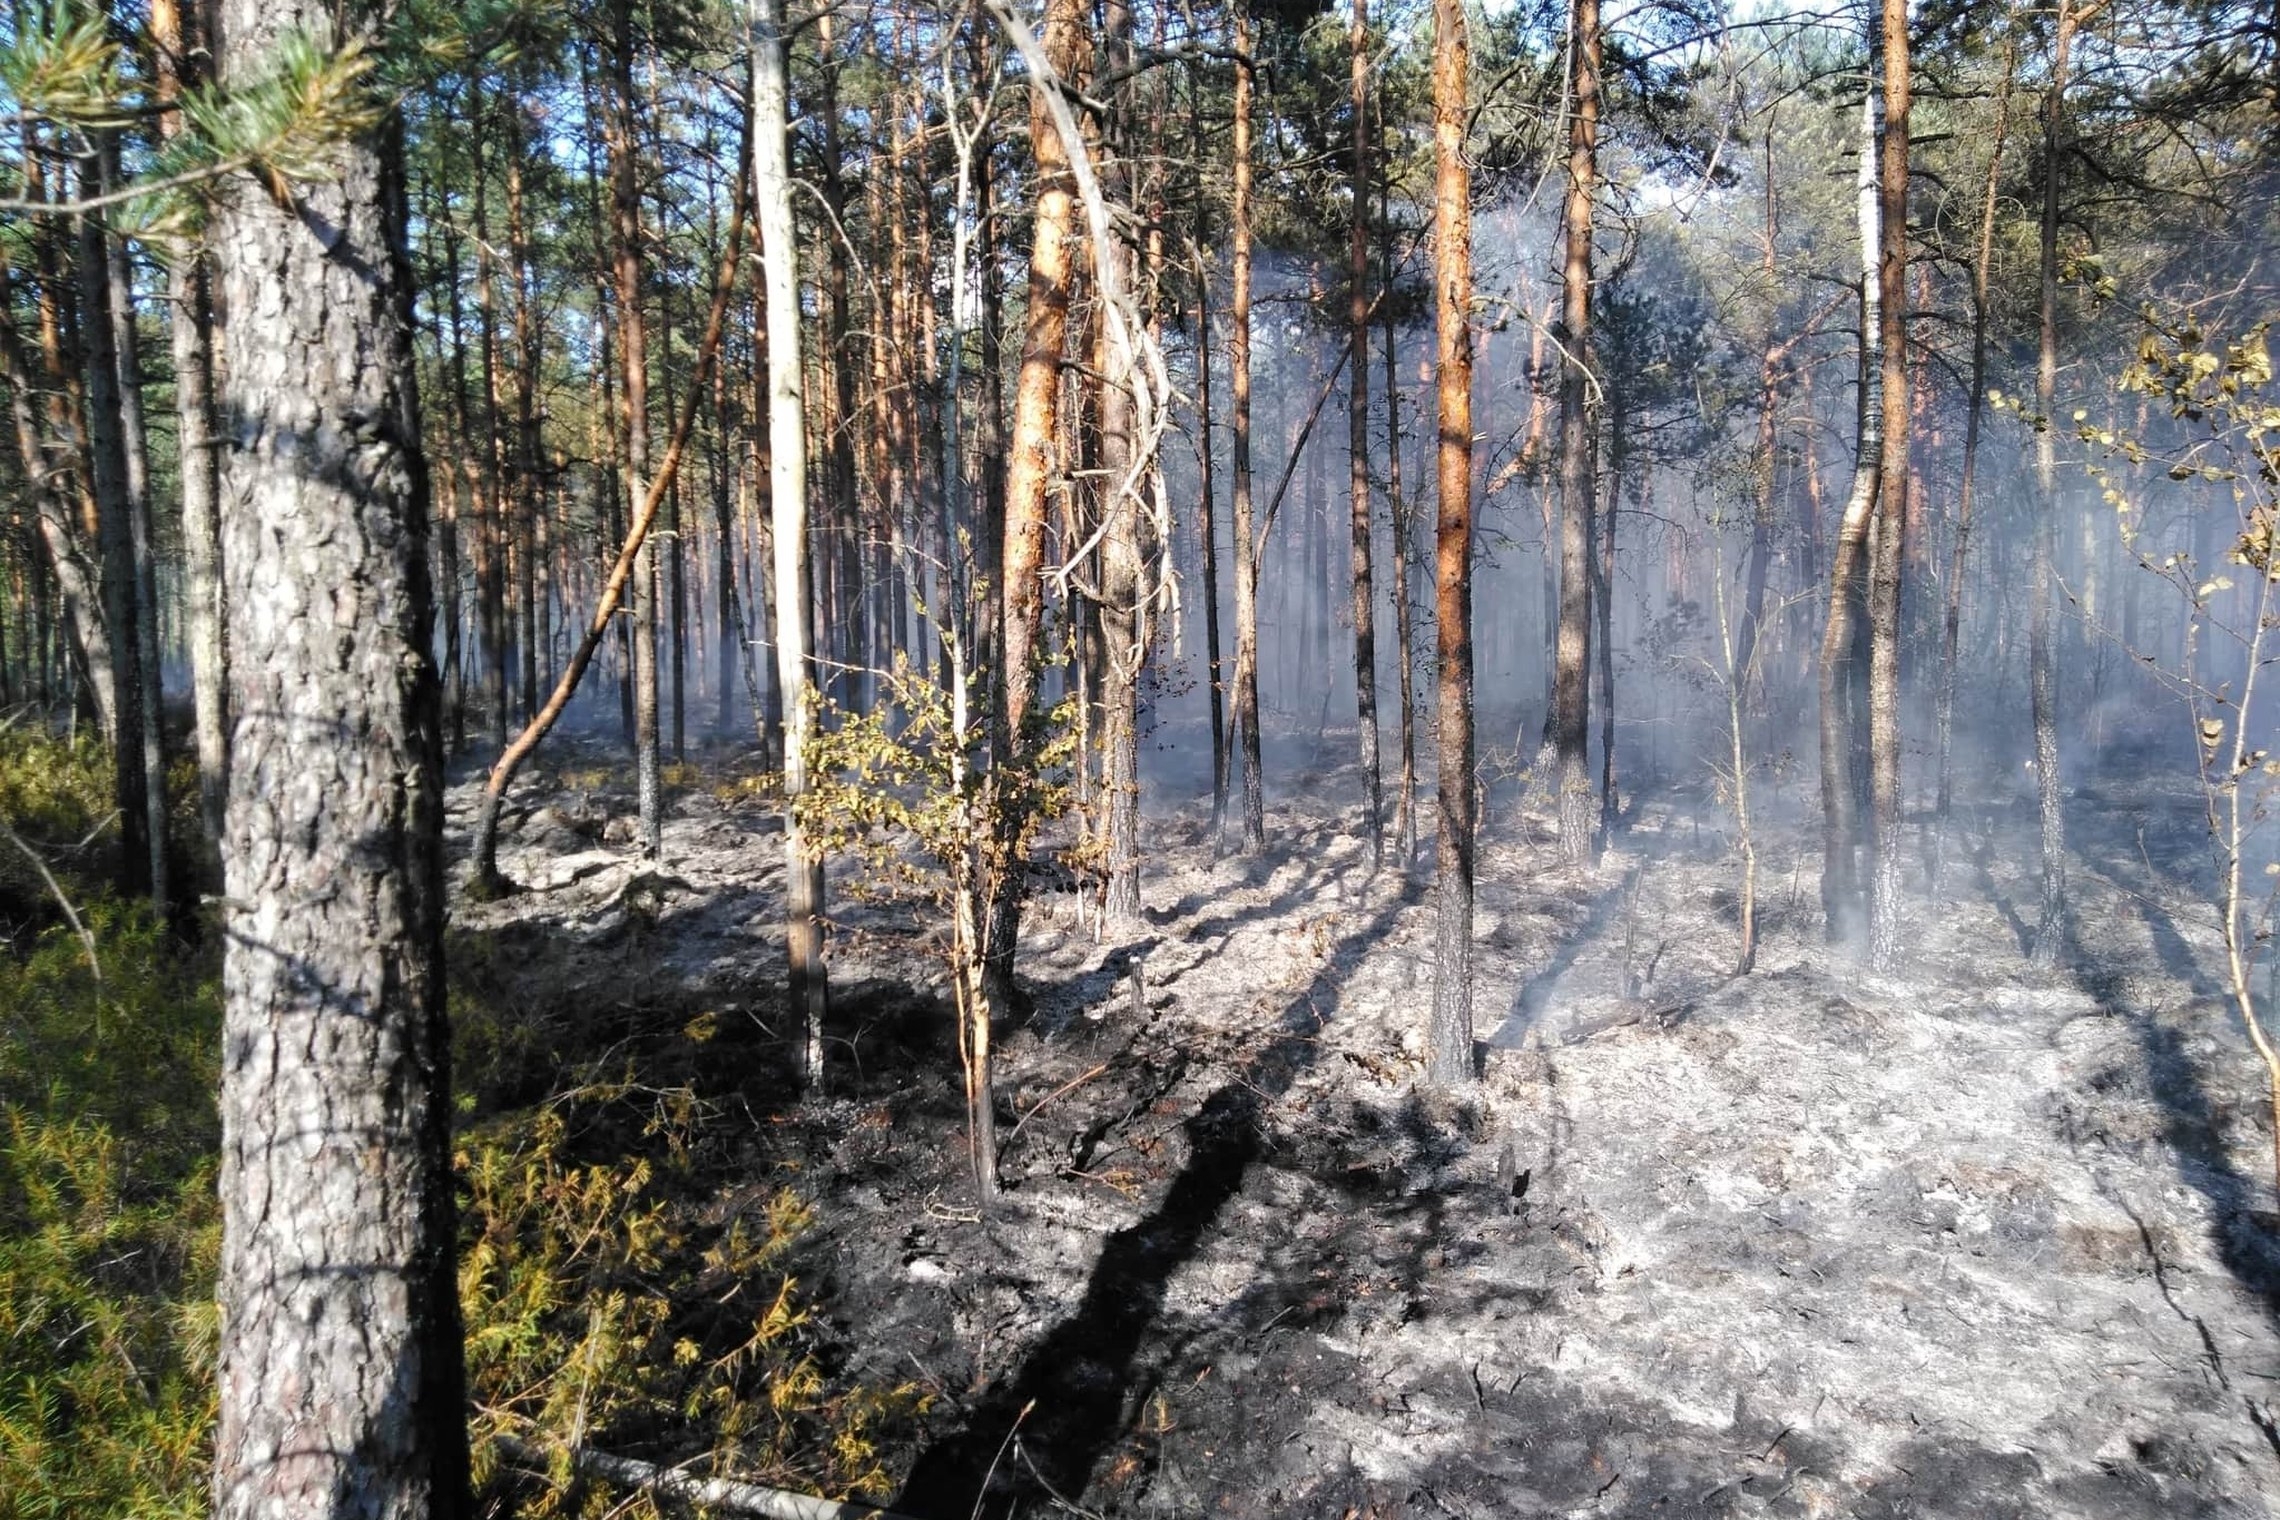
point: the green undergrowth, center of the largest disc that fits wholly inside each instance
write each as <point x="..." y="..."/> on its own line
<point x="627" y="1283"/>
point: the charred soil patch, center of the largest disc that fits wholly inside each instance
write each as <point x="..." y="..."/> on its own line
<point x="1970" y="1240"/>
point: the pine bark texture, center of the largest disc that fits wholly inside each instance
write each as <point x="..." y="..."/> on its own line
<point x="1449" y="1051"/>
<point x="1358" y="437"/>
<point x="1123" y="569"/>
<point x="633" y="349"/>
<point x="1032" y="457"/>
<point x="1887" y="562"/>
<point x="1239" y="454"/>
<point x="1571" y="680"/>
<point x="341" y="1390"/>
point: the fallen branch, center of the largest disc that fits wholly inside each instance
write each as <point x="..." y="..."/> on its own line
<point x="712" y="1493"/>
<point x="1066" y="1087"/>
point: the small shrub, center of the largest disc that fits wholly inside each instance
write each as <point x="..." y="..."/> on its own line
<point x="609" y="1305"/>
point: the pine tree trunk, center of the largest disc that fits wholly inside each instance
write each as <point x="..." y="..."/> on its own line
<point x="340" y="1388"/>
<point x="179" y="45"/>
<point x="527" y="483"/>
<point x="142" y="544"/>
<point x="1767" y="451"/>
<point x="50" y="461"/>
<point x="1841" y="885"/>
<point x="633" y="351"/>
<point x="1207" y="534"/>
<point x="493" y="535"/>
<point x="1886" y="555"/>
<point x="1603" y="615"/>
<point x="1358" y="437"/>
<point x="1123" y="572"/>
<point x="1449" y="1052"/>
<point x="1571" y="679"/>
<point x="1405" y="659"/>
<point x="1207" y="526"/>
<point x="107" y="454"/>
<point x="1029" y="477"/>
<point x="2042" y="655"/>
<point x="1975" y="403"/>
<point x="1239" y="458"/>
<point x="787" y="460"/>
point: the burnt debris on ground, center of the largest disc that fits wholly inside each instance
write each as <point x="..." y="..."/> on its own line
<point x="1973" y="1239"/>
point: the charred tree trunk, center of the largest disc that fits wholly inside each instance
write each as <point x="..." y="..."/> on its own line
<point x="340" y="1389"/>
<point x="1449" y="1051"/>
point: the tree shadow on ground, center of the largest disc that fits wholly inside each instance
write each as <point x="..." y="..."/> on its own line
<point x="1068" y="1401"/>
<point x="1534" y="994"/>
<point x="2193" y="1117"/>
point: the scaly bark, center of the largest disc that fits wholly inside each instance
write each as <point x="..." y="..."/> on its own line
<point x="633" y="351"/>
<point x="1123" y="570"/>
<point x="1405" y="662"/>
<point x="1358" y="437"/>
<point x="1571" y="680"/>
<point x="1449" y="1051"/>
<point x="1886" y="557"/>
<point x="340" y="1389"/>
<point x="1029" y="476"/>
<point x="1239" y="452"/>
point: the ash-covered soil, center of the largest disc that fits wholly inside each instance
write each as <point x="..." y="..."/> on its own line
<point x="1978" y="1239"/>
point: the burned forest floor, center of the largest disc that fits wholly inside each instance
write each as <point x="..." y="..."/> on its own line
<point x="1977" y="1238"/>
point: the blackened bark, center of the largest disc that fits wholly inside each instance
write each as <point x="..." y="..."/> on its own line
<point x="341" y="1391"/>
